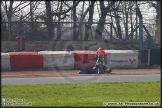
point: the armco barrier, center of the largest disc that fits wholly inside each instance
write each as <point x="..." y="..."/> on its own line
<point x="5" y="61"/>
<point x="57" y="59"/>
<point x="84" y="58"/>
<point x="122" y="58"/>
<point x="26" y="60"/>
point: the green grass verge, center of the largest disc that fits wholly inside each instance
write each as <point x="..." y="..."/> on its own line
<point x="84" y="94"/>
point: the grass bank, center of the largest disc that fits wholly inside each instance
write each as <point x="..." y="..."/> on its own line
<point x="84" y="94"/>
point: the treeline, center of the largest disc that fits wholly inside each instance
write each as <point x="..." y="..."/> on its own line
<point x="29" y="14"/>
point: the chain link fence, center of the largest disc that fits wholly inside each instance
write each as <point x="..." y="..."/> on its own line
<point x="36" y="37"/>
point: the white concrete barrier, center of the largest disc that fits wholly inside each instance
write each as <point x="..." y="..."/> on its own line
<point x="122" y="58"/>
<point x="5" y="61"/>
<point x="57" y="59"/>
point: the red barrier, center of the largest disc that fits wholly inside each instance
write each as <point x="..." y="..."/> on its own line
<point x="25" y="60"/>
<point x="84" y="58"/>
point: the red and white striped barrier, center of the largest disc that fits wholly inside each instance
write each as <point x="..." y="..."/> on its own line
<point x="25" y="60"/>
<point x="67" y="59"/>
<point x="57" y="59"/>
<point x="5" y="61"/>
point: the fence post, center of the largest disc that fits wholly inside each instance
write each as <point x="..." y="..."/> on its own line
<point x="148" y="56"/>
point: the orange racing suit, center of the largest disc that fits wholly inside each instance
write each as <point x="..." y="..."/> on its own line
<point x="100" y="56"/>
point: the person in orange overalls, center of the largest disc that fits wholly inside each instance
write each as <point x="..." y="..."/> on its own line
<point x="100" y="55"/>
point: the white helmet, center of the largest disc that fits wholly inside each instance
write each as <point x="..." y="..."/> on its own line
<point x="100" y="48"/>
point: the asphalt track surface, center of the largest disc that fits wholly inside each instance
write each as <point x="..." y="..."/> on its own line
<point x="81" y="79"/>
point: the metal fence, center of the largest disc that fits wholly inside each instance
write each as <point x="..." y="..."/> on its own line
<point x="155" y="57"/>
<point x="36" y="36"/>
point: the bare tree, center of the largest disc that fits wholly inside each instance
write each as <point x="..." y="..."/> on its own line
<point x="127" y="11"/>
<point x="59" y="25"/>
<point x="74" y="18"/>
<point x="80" y="29"/>
<point x="118" y="25"/>
<point x="32" y="24"/>
<point x="131" y="22"/>
<point x="4" y="32"/>
<point x="16" y="11"/>
<point x="157" y="6"/>
<point x="58" y="13"/>
<point x="90" y="20"/>
<point x="82" y="19"/>
<point x="101" y="23"/>
<point x="49" y="20"/>
<point x="9" y="12"/>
